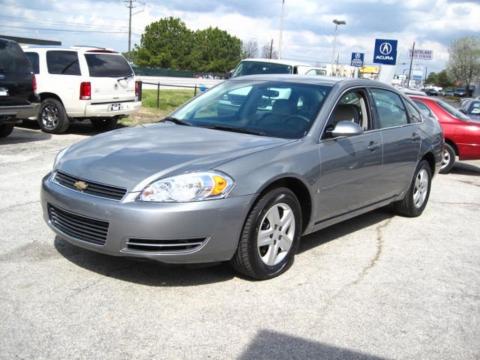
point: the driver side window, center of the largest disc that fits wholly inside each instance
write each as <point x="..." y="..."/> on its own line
<point x="353" y="106"/>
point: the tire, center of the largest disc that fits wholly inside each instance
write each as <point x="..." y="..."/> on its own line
<point x="104" y="124"/>
<point x="6" y="129"/>
<point x="52" y="117"/>
<point x="416" y="198"/>
<point x="448" y="159"/>
<point x="269" y="260"/>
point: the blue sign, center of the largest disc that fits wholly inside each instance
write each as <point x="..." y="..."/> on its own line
<point x="385" y="52"/>
<point x="357" y="59"/>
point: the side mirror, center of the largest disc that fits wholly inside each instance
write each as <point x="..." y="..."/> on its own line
<point x="346" y="128"/>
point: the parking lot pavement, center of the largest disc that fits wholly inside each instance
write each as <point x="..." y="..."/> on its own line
<point x="379" y="286"/>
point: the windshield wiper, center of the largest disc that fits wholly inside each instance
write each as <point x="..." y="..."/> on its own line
<point x="235" y="129"/>
<point x="177" y="121"/>
<point x="126" y="77"/>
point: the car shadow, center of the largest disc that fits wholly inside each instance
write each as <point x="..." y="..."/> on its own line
<point x="145" y="272"/>
<point x="152" y="273"/>
<point x="24" y="135"/>
<point x="346" y="227"/>
<point x="76" y="127"/>
<point x="269" y="344"/>
<point x="462" y="168"/>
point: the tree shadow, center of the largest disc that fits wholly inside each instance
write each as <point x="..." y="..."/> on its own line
<point x="274" y="345"/>
<point x="145" y="272"/>
<point x="462" y="168"/>
<point x="24" y="135"/>
<point x="346" y="227"/>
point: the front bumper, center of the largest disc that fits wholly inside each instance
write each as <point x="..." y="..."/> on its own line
<point x="104" y="109"/>
<point x="218" y="222"/>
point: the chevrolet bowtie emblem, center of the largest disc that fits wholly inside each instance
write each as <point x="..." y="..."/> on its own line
<point x="80" y="185"/>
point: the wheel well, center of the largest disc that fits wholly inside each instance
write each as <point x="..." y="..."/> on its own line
<point x="431" y="161"/>
<point x="300" y="191"/>
<point x="452" y="144"/>
<point x="47" y="95"/>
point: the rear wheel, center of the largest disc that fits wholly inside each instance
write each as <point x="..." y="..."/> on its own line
<point x="448" y="159"/>
<point x="53" y="117"/>
<point x="6" y="129"/>
<point x="417" y="195"/>
<point x="104" y="124"/>
<point x="270" y="236"/>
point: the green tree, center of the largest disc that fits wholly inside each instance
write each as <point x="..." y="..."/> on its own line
<point x="432" y="78"/>
<point x="166" y="43"/>
<point x="464" y="62"/>
<point x="443" y="79"/>
<point x="215" y="50"/>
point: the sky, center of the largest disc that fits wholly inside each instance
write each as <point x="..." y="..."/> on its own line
<point x="308" y="29"/>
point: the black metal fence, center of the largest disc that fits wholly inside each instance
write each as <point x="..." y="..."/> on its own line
<point x="157" y="85"/>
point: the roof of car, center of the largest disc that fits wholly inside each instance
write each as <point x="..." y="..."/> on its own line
<point x="312" y="79"/>
<point x="80" y="48"/>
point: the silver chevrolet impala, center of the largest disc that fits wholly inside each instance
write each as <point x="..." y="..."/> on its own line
<point x="241" y="172"/>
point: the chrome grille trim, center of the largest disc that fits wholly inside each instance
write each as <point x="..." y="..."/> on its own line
<point x="165" y="246"/>
<point x="78" y="227"/>
<point x="94" y="188"/>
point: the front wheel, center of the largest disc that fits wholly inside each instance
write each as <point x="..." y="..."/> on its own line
<point x="270" y="236"/>
<point x="5" y="130"/>
<point x="448" y="159"/>
<point x="417" y="195"/>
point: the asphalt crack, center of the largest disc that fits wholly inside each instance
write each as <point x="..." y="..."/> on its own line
<point x="11" y="207"/>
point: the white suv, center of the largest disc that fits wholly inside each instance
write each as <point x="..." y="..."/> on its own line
<point x="83" y="83"/>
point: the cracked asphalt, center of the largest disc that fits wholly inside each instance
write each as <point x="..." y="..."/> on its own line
<point x="378" y="286"/>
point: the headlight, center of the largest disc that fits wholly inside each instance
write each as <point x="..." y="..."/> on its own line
<point x="58" y="157"/>
<point x="188" y="187"/>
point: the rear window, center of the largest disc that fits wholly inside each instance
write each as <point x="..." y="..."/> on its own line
<point x="63" y="62"/>
<point x="452" y="111"/>
<point x="12" y="59"/>
<point x="108" y="65"/>
<point x="33" y="58"/>
<point x="258" y="67"/>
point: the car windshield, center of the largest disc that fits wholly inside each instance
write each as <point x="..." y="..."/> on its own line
<point x="108" y="65"/>
<point x="452" y="111"/>
<point x="268" y="108"/>
<point x="258" y="67"/>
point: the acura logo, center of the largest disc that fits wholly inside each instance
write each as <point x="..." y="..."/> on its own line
<point x="385" y="48"/>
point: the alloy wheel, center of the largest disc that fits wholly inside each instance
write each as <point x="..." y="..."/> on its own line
<point x="50" y="116"/>
<point x="420" y="191"/>
<point x="445" y="159"/>
<point x="276" y="234"/>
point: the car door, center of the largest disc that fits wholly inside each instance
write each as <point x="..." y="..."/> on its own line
<point x="350" y="166"/>
<point x="401" y="139"/>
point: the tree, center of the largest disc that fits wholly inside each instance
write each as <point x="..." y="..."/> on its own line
<point x="432" y="78"/>
<point x="464" y="62"/>
<point x="268" y="51"/>
<point x="443" y="79"/>
<point x="165" y="43"/>
<point x="215" y="50"/>
<point x="250" y="49"/>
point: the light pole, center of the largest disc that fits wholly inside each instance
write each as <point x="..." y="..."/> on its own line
<point x="280" y="36"/>
<point x="337" y="23"/>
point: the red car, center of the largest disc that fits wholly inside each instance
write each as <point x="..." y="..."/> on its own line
<point x="462" y="134"/>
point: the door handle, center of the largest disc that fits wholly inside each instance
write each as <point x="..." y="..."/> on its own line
<point x="372" y="146"/>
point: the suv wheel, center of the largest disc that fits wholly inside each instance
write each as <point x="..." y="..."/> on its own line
<point x="417" y="195"/>
<point x="270" y="236"/>
<point x="6" y="129"/>
<point x="52" y="117"/>
<point x="448" y="159"/>
<point x="104" y="124"/>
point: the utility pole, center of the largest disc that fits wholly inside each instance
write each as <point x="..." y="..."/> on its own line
<point x="281" y="30"/>
<point x="130" y="5"/>
<point x="411" y="64"/>
<point x="271" y="48"/>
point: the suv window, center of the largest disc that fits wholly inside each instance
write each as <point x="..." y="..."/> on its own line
<point x="63" y="62"/>
<point x="390" y="109"/>
<point x="33" y="58"/>
<point x="108" y="65"/>
<point x="12" y="59"/>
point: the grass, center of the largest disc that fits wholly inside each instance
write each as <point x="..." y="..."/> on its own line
<point x="169" y="101"/>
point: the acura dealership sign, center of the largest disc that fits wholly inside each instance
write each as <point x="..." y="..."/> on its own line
<point x="385" y="52"/>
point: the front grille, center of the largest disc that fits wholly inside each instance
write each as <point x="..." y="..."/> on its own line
<point x="164" y="245"/>
<point x="78" y="227"/>
<point x="93" y="188"/>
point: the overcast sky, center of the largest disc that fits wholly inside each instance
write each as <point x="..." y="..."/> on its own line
<point x="308" y="34"/>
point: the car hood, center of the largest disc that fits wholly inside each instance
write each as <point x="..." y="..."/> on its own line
<point x="130" y="158"/>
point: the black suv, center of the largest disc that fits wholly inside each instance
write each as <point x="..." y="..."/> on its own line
<point x="17" y="87"/>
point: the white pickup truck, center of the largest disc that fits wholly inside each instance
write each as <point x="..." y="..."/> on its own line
<point x="79" y="83"/>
